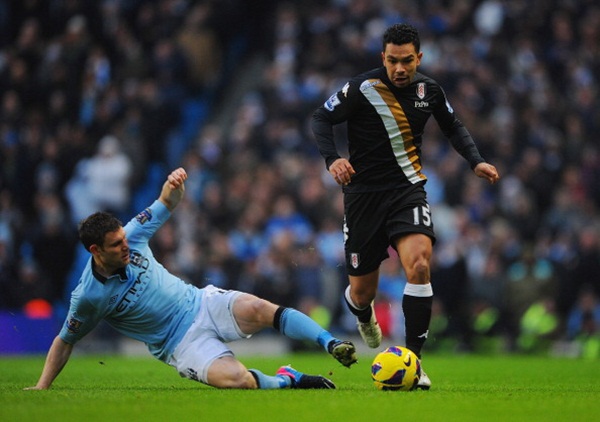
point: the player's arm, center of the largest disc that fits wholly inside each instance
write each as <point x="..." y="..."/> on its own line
<point x="57" y="358"/>
<point x="322" y="127"/>
<point x="340" y="168"/>
<point x="336" y="109"/>
<point x="462" y="141"/>
<point x="173" y="188"/>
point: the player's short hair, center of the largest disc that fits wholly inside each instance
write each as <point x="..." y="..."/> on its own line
<point x="93" y="229"/>
<point x="402" y="33"/>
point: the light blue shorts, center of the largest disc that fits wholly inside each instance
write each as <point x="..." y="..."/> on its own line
<point x="205" y="340"/>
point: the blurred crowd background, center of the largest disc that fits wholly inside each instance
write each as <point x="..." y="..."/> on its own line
<point x="99" y="100"/>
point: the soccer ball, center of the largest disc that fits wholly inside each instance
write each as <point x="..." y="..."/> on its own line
<point x="396" y="368"/>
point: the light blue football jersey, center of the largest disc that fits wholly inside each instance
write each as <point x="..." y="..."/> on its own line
<point x="145" y="302"/>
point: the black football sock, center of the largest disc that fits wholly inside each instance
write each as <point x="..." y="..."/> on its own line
<point x="363" y="315"/>
<point x="416" y="304"/>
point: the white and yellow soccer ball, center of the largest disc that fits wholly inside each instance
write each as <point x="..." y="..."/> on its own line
<point x="396" y="368"/>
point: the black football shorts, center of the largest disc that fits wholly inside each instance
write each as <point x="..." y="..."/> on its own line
<point x="373" y="220"/>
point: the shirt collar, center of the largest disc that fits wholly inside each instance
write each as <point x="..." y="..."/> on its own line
<point x="121" y="273"/>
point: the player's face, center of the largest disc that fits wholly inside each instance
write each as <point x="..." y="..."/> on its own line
<point x="114" y="253"/>
<point x="401" y="63"/>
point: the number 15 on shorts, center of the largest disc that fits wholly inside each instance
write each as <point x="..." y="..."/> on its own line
<point x="422" y="215"/>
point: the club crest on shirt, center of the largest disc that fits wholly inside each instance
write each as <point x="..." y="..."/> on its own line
<point x="421" y="90"/>
<point x="354" y="259"/>
<point x="138" y="260"/>
<point x="144" y="216"/>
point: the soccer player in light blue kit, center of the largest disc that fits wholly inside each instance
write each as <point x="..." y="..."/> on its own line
<point x="182" y="325"/>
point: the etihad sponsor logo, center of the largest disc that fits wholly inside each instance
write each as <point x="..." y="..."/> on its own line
<point x="134" y="292"/>
<point x="130" y="297"/>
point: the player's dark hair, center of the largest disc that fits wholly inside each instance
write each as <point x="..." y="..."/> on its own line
<point x="93" y="229"/>
<point x="402" y="33"/>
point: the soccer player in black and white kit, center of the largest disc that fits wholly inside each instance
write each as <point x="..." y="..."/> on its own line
<point x="385" y="202"/>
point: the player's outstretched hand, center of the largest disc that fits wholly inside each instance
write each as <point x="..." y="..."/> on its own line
<point x="173" y="188"/>
<point x="176" y="178"/>
<point x="487" y="171"/>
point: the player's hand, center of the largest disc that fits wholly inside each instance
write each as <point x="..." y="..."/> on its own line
<point x="173" y="188"/>
<point x="487" y="171"/>
<point x="342" y="171"/>
<point x="177" y="178"/>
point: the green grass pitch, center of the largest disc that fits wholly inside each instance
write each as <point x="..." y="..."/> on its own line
<point x="465" y="388"/>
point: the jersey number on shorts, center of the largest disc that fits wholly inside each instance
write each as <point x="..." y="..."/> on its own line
<point x="422" y="215"/>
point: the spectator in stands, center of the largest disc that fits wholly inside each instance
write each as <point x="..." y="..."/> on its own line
<point x="584" y="317"/>
<point x="533" y="131"/>
<point x="101" y="182"/>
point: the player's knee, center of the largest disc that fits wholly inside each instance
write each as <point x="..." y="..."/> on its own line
<point x="241" y="379"/>
<point x="362" y="299"/>
<point x="262" y="311"/>
<point x="420" y="273"/>
<point x="363" y="291"/>
<point x="252" y="310"/>
<point x="232" y="376"/>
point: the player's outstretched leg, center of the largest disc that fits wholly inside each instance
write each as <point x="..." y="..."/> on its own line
<point x="305" y="381"/>
<point x="343" y="351"/>
<point x="298" y="326"/>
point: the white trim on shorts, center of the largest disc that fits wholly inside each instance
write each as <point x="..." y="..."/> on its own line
<point x="204" y="342"/>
